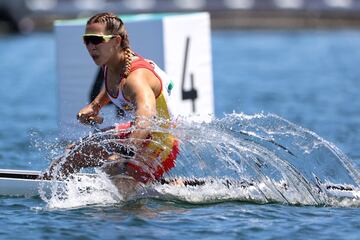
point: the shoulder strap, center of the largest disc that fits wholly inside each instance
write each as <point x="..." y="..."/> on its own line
<point x="141" y="63"/>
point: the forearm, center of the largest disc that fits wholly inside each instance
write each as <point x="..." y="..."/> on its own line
<point x="141" y="130"/>
<point x="90" y="112"/>
<point x="143" y="123"/>
<point x="101" y="100"/>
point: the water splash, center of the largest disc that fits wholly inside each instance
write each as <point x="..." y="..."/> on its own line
<point x="79" y="191"/>
<point x="260" y="158"/>
<point x="282" y="161"/>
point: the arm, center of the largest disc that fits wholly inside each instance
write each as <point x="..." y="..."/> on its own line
<point x="90" y="112"/>
<point x="139" y="89"/>
<point x="101" y="100"/>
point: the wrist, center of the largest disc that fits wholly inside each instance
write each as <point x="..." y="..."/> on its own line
<point x="96" y="106"/>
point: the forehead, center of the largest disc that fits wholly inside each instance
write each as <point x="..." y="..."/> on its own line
<point x="95" y="28"/>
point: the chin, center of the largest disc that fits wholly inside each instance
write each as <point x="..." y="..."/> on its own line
<point x="98" y="62"/>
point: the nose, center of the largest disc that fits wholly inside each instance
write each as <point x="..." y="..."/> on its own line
<point x="91" y="46"/>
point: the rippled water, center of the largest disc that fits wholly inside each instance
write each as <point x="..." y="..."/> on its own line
<point x="307" y="77"/>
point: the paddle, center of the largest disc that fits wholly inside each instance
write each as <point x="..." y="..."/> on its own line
<point x="18" y="174"/>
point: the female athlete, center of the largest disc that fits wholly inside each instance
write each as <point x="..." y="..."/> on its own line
<point x="140" y="149"/>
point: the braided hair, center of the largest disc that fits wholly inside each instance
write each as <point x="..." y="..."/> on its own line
<point x="115" y="26"/>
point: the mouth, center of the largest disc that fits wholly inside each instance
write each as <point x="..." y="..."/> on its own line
<point x="95" y="57"/>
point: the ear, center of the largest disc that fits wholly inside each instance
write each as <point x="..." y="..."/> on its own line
<point x="118" y="40"/>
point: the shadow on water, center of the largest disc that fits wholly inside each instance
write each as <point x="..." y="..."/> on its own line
<point x="260" y="158"/>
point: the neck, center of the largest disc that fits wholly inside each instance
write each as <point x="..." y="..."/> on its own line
<point x="116" y="63"/>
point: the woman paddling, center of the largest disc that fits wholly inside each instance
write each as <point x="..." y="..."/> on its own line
<point x="142" y="91"/>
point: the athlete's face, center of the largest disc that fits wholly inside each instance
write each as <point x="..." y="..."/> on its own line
<point x="101" y="50"/>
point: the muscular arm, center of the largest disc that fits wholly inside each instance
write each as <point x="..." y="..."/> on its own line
<point x="139" y="89"/>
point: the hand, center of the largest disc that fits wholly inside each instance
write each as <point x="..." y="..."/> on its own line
<point x="90" y="120"/>
<point x="89" y="114"/>
<point x="96" y="120"/>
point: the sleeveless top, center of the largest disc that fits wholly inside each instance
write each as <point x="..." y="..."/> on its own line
<point x="163" y="105"/>
<point x="163" y="148"/>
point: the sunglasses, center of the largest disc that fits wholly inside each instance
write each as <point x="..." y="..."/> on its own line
<point x="96" y="38"/>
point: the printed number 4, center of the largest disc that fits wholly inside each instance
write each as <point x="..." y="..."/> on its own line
<point x="192" y="93"/>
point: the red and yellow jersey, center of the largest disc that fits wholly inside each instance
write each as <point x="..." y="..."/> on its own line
<point x="161" y="148"/>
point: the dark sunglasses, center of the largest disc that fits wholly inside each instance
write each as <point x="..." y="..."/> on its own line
<point x="96" y="38"/>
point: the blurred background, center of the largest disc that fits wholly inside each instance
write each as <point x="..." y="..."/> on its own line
<point x="28" y="15"/>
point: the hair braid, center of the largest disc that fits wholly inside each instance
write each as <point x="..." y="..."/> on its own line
<point x="115" y="26"/>
<point x="128" y="60"/>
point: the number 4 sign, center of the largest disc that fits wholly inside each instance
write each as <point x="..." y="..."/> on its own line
<point x="187" y="44"/>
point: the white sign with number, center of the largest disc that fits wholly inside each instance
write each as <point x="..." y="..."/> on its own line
<point x="179" y="43"/>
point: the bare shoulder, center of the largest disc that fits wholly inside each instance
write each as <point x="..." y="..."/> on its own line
<point x="141" y="79"/>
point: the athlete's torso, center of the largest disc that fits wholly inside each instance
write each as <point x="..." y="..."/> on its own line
<point x="163" y="105"/>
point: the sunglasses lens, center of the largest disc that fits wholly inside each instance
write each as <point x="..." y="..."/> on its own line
<point x="93" y="39"/>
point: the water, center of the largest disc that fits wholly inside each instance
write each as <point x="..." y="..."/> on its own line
<point x="306" y="77"/>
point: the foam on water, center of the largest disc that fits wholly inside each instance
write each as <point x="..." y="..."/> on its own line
<point x="79" y="191"/>
<point x="260" y="158"/>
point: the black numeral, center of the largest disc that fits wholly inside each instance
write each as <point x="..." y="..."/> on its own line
<point x="192" y="93"/>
